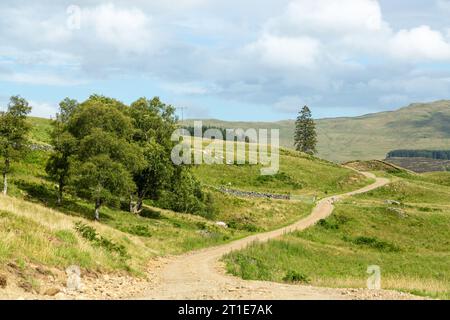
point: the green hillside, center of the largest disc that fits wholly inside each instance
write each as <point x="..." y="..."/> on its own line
<point x="124" y="242"/>
<point x="402" y="228"/>
<point x="372" y="136"/>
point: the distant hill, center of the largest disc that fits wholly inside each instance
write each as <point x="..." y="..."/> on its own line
<point x="372" y="136"/>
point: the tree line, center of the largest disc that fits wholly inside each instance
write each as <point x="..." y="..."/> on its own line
<point x="107" y="152"/>
<point x="432" y="154"/>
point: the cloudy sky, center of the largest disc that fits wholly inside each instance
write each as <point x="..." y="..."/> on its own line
<point x="234" y="60"/>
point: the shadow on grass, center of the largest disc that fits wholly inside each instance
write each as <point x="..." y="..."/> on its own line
<point x="42" y="194"/>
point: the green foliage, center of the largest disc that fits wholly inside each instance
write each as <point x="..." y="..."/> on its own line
<point x="155" y="122"/>
<point x="296" y="277"/>
<point x="64" y="146"/>
<point x="90" y="234"/>
<point x="373" y="242"/>
<point x="105" y="158"/>
<point x="13" y="133"/>
<point x="305" y="138"/>
<point x="184" y="194"/>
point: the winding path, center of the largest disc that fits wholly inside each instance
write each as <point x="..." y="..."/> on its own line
<point x="200" y="275"/>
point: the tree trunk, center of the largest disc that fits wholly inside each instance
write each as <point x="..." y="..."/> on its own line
<point x="131" y="206"/>
<point x="5" y="177"/>
<point x="60" y="192"/>
<point x="137" y="207"/>
<point x="5" y="183"/>
<point x="98" y="203"/>
<point x="140" y="200"/>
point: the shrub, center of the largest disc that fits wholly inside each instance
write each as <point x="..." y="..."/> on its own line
<point x="244" y="225"/>
<point x="90" y="234"/>
<point x="328" y="225"/>
<point x="375" y="243"/>
<point x="296" y="277"/>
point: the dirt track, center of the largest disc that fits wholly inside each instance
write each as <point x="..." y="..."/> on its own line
<point x="200" y="275"/>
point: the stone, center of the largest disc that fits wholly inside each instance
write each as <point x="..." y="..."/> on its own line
<point x="3" y="281"/>
<point x="221" y="224"/>
<point x="52" y="292"/>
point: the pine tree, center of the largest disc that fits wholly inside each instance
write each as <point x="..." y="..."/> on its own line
<point x="305" y="138"/>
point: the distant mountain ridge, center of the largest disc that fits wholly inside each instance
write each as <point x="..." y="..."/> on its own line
<point x="370" y="136"/>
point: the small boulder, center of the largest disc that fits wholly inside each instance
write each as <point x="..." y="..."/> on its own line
<point x="221" y="224"/>
<point x="52" y="292"/>
<point x="25" y="285"/>
<point x="3" y="281"/>
<point x="393" y="202"/>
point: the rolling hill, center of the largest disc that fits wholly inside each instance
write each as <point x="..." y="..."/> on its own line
<point x="371" y="136"/>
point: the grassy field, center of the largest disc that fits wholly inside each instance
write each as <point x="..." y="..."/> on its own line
<point x="299" y="174"/>
<point x="402" y="227"/>
<point x="418" y="126"/>
<point x="36" y="231"/>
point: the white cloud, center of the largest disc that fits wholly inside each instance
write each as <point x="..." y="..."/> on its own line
<point x="421" y="43"/>
<point x="128" y="30"/>
<point x="286" y="52"/>
<point x="343" y="16"/>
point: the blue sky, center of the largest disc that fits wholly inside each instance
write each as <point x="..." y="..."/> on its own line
<point x="233" y="60"/>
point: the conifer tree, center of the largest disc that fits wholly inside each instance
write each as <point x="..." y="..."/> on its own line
<point x="305" y="138"/>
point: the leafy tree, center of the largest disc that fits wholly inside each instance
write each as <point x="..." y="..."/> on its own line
<point x="154" y="123"/>
<point x="13" y="134"/>
<point x="184" y="193"/>
<point x="305" y="138"/>
<point x="106" y="157"/>
<point x="64" y="146"/>
<point x="102" y="180"/>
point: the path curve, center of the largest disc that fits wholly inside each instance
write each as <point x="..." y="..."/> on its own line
<point x="200" y="275"/>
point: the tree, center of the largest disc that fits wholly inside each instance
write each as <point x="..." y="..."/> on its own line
<point x="64" y="146"/>
<point x="154" y="123"/>
<point x="106" y="157"/>
<point x="305" y="138"/>
<point x="13" y="134"/>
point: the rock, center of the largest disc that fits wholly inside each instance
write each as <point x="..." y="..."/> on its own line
<point x="52" y="292"/>
<point x="43" y="271"/>
<point x="392" y="202"/>
<point x="221" y="224"/>
<point x="25" y="285"/>
<point x="3" y="281"/>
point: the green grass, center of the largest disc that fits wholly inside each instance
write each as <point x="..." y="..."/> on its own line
<point x="40" y="130"/>
<point x="410" y="243"/>
<point x="299" y="174"/>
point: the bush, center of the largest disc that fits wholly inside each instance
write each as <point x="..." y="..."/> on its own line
<point x="296" y="277"/>
<point x="90" y="234"/>
<point x="328" y="225"/>
<point x="375" y="243"/>
<point x="244" y="225"/>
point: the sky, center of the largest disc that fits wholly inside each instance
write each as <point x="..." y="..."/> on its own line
<point x="255" y="60"/>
